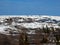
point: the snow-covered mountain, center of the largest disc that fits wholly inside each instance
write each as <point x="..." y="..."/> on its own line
<point x="20" y="22"/>
<point x="30" y="20"/>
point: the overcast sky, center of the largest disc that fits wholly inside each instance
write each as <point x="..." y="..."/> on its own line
<point x="29" y="7"/>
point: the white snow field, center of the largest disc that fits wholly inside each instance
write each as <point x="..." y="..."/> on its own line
<point x="37" y="22"/>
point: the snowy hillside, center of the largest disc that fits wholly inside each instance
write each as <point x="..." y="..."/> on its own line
<point x="10" y="22"/>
